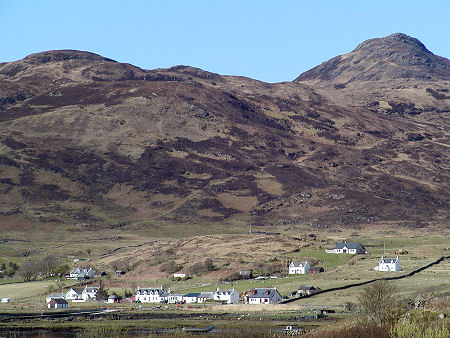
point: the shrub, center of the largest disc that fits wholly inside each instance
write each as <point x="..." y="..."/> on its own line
<point x="170" y="267"/>
<point x="380" y="304"/>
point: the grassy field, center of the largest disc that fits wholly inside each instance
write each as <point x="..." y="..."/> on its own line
<point x="144" y="251"/>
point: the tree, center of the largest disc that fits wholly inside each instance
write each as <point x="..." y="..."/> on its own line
<point x="380" y="304"/>
<point x="49" y="264"/>
<point x="101" y="294"/>
<point x="209" y="264"/>
<point x="28" y="271"/>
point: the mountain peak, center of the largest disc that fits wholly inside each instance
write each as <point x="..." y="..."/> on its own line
<point x="396" y="56"/>
<point x="396" y="39"/>
<point x="63" y="55"/>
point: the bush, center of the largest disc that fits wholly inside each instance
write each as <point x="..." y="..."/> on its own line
<point x="411" y="328"/>
<point x="170" y="267"/>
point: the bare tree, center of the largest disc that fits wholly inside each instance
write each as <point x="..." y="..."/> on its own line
<point x="28" y="270"/>
<point x="209" y="264"/>
<point x="49" y="264"/>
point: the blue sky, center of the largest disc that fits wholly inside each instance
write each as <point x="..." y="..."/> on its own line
<point x="267" y="40"/>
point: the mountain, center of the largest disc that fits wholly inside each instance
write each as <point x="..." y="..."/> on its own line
<point x="88" y="142"/>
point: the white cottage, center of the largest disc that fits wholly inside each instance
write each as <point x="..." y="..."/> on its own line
<point x="148" y="295"/>
<point x="82" y="273"/>
<point x="264" y="296"/>
<point x="90" y="293"/>
<point x="229" y="296"/>
<point x="74" y="294"/>
<point x="389" y="264"/>
<point x="299" y="268"/>
<point x="352" y="248"/>
<point x="191" y="297"/>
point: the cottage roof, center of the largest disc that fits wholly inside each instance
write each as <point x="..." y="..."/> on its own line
<point x="262" y="292"/>
<point x="192" y="294"/>
<point x="77" y="290"/>
<point x="157" y="291"/>
<point x="388" y="260"/>
<point x="209" y="295"/>
<point x="224" y="290"/>
<point x="165" y="294"/>
<point x="92" y="288"/>
<point x="306" y="287"/>
<point x="56" y="295"/>
<point x="350" y="245"/>
<point x="112" y="297"/>
<point x="298" y="264"/>
<point x="58" y="301"/>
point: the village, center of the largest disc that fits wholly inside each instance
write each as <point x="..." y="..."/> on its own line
<point x="159" y="295"/>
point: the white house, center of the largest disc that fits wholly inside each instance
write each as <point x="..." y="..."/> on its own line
<point x="149" y="295"/>
<point x="264" y="296"/>
<point x="61" y="295"/>
<point x="299" y="268"/>
<point x="90" y="293"/>
<point x="181" y="275"/>
<point x="191" y="297"/>
<point x="82" y="273"/>
<point x="352" y="248"/>
<point x="230" y="296"/>
<point x="74" y="294"/>
<point x="389" y="264"/>
<point x="306" y="290"/>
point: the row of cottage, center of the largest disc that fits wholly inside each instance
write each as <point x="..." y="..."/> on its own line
<point x="160" y="295"/>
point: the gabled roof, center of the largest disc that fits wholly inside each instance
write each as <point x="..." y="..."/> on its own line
<point x="112" y="297"/>
<point x="56" y="295"/>
<point x="306" y="287"/>
<point x="388" y="260"/>
<point x="77" y="290"/>
<point x="150" y="290"/>
<point x="262" y="292"/>
<point x="298" y="264"/>
<point x="209" y="295"/>
<point x="224" y="290"/>
<point x="91" y="288"/>
<point x="350" y="245"/>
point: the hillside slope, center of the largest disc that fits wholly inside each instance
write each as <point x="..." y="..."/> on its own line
<point x="91" y="142"/>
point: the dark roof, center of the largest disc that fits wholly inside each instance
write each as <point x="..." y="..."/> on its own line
<point x="350" y="245"/>
<point x="262" y="293"/>
<point x="58" y="301"/>
<point x="192" y="294"/>
<point x="388" y="260"/>
<point x="306" y="287"/>
<point x="77" y="290"/>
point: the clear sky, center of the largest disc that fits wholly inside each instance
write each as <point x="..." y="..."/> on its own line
<point x="267" y="40"/>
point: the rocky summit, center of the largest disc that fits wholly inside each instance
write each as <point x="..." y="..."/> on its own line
<point x="361" y="139"/>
